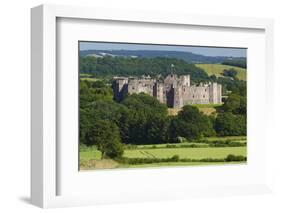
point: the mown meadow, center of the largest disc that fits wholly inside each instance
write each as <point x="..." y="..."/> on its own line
<point x="210" y="151"/>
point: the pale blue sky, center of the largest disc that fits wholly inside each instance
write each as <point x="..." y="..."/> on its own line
<point x="207" y="51"/>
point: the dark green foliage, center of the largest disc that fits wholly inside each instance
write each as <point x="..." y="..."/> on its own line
<point x="232" y="158"/>
<point x="136" y="161"/>
<point x="99" y="110"/>
<point x="226" y="143"/>
<point x="236" y="62"/>
<point x="93" y="91"/>
<point x="232" y="73"/>
<point x="232" y="116"/>
<point x="213" y="78"/>
<point x="124" y="66"/>
<point x="106" y="137"/>
<point x="190" y="124"/>
<point x="234" y="85"/>
<point x="181" y="128"/>
<point x="146" y="120"/>
<point x="235" y="104"/>
<point x="231" y="104"/>
<point x="175" y="158"/>
<point x="230" y="124"/>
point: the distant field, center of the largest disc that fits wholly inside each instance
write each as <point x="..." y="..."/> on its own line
<point x="217" y="69"/>
<point x="207" y="109"/>
<point x="232" y="138"/>
<point x="88" y="77"/>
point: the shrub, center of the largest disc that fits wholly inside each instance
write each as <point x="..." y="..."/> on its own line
<point x="171" y="146"/>
<point x="231" y="158"/>
<point x="175" y="158"/>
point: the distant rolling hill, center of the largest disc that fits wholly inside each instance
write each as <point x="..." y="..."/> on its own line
<point x="186" y="56"/>
<point x="217" y="69"/>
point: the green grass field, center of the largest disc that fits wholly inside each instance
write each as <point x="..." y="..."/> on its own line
<point x="90" y="154"/>
<point x="217" y="69"/>
<point x="232" y="138"/>
<point x="170" y="164"/>
<point x="87" y="77"/>
<point x="192" y="153"/>
<point x="91" y="158"/>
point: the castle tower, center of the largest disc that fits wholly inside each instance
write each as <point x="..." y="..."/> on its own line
<point x="120" y="87"/>
<point x="158" y="92"/>
<point x="215" y="93"/>
<point x="219" y="92"/>
<point x="177" y="96"/>
<point x="185" y="80"/>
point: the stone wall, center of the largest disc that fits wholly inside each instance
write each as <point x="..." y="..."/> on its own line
<point x="196" y="95"/>
<point x="174" y="91"/>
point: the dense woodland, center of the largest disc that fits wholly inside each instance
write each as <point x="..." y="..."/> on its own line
<point x="186" y="56"/>
<point x="142" y="119"/>
<point x="236" y="62"/>
<point x="124" y="66"/>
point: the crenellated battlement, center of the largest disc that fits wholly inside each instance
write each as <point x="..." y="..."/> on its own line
<point x="175" y="91"/>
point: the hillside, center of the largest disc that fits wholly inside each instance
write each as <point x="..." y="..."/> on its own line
<point x="186" y="56"/>
<point x="217" y="69"/>
<point x="124" y="66"/>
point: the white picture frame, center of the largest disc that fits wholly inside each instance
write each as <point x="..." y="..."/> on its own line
<point x="45" y="174"/>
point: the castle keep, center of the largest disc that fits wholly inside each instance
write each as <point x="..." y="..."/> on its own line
<point x="175" y="91"/>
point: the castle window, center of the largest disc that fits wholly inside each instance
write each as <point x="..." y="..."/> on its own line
<point x="203" y="96"/>
<point x="192" y="96"/>
<point x="133" y="87"/>
<point x="205" y="90"/>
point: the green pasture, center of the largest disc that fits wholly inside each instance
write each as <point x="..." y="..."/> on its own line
<point x="217" y="69"/>
<point x="206" y="105"/>
<point x="87" y="77"/>
<point x="90" y="154"/>
<point x="168" y="164"/>
<point x="192" y="153"/>
<point x="164" y="145"/>
<point x="232" y="138"/>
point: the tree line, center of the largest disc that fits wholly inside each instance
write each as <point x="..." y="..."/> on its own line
<point x="125" y="66"/>
<point x="142" y="119"/>
<point x="236" y="62"/>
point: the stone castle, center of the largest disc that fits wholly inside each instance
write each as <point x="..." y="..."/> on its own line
<point x="175" y="91"/>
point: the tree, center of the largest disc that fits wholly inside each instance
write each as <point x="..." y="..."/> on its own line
<point x="93" y="91"/>
<point x="105" y="135"/>
<point x="192" y="115"/>
<point x="181" y="128"/>
<point x="240" y="62"/>
<point x="235" y="104"/>
<point x="228" y="124"/>
<point x="157" y="129"/>
<point x="127" y="66"/>
<point x="232" y="73"/>
<point x="191" y="124"/>
<point x="145" y="121"/>
<point x="231" y="104"/>
<point x="243" y="106"/>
